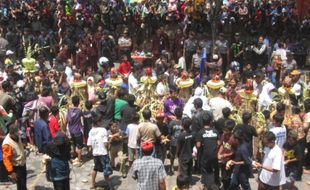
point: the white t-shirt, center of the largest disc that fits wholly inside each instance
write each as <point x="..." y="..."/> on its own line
<point x="132" y="133"/>
<point x="280" y="133"/>
<point x="217" y="104"/>
<point x="97" y="137"/>
<point x="132" y="84"/>
<point x="273" y="158"/>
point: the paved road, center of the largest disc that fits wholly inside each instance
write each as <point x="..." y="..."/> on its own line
<point x="80" y="178"/>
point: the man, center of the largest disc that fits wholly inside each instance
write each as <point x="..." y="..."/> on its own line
<point x="185" y="144"/>
<point x="98" y="141"/>
<point x="190" y="45"/>
<point x="133" y="79"/>
<point x="41" y="130"/>
<point x="197" y="123"/>
<point x="175" y="129"/>
<point x="260" y="55"/>
<point x="297" y="86"/>
<point x="220" y="123"/>
<point x="272" y="175"/>
<point x="58" y="168"/>
<point x="241" y="162"/>
<point x="119" y="103"/>
<point x="237" y="50"/>
<point x="6" y="101"/>
<point x="196" y="60"/>
<point x="248" y="131"/>
<point x="128" y="112"/>
<point x="116" y="147"/>
<point x="148" y="131"/>
<point x="148" y="171"/>
<point x="3" y="46"/>
<point x="14" y="158"/>
<point x="208" y="141"/>
<point x="171" y="103"/>
<point x="222" y="45"/>
<point x="106" y="47"/>
<point x="132" y="132"/>
<point x="218" y="103"/>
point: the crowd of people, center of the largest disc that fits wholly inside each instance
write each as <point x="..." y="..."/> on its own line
<point x="134" y="85"/>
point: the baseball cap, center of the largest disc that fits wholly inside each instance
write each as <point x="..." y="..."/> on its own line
<point x="9" y="52"/>
<point x="147" y="146"/>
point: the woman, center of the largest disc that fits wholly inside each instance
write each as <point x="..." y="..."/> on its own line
<point x="57" y="169"/>
<point x="162" y="88"/>
<point x="46" y="98"/>
<point x="265" y="97"/>
<point x="91" y="89"/>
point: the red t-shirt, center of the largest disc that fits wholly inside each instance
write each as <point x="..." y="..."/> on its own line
<point x="124" y="67"/>
<point x="53" y="125"/>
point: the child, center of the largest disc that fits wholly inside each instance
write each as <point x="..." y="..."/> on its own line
<point x="98" y="141"/>
<point x="182" y="182"/>
<point x="132" y="134"/>
<point x="292" y="155"/>
<point x="124" y="66"/>
<point x="279" y="129"/>
<point x="74" y="121"/>
<point x="87" y="120"/>
<point x="185" y="144"/>
<point x="116" y="147"/>
<point x="225" y="152"/>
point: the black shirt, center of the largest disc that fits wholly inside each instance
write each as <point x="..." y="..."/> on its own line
<point x="127" y="113"/>
<point x="248" y="133"/>
<point x="208" y="138"/>
<point x="197" y="123"/>
<point x="220" y="125"/>
<point x="88" y="119"/>
<point x="175" y="129"/>
<point x="185" y="145"/>
<point x="291" y="152"/>
<point x="242" y="154"/>
<point x="163" y="128"/>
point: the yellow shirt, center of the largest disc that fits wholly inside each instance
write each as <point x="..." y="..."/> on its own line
<point x="8" y="61"/>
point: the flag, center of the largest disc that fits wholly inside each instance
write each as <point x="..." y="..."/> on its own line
<point x="202" y="64"/>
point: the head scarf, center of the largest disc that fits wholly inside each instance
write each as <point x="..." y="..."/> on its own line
<point x="265" y="98"/>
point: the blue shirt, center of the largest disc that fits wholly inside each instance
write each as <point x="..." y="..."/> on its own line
<point x="74" y="120"/>
<point x="1" y="157"/>
<point x="41" y="134"/>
